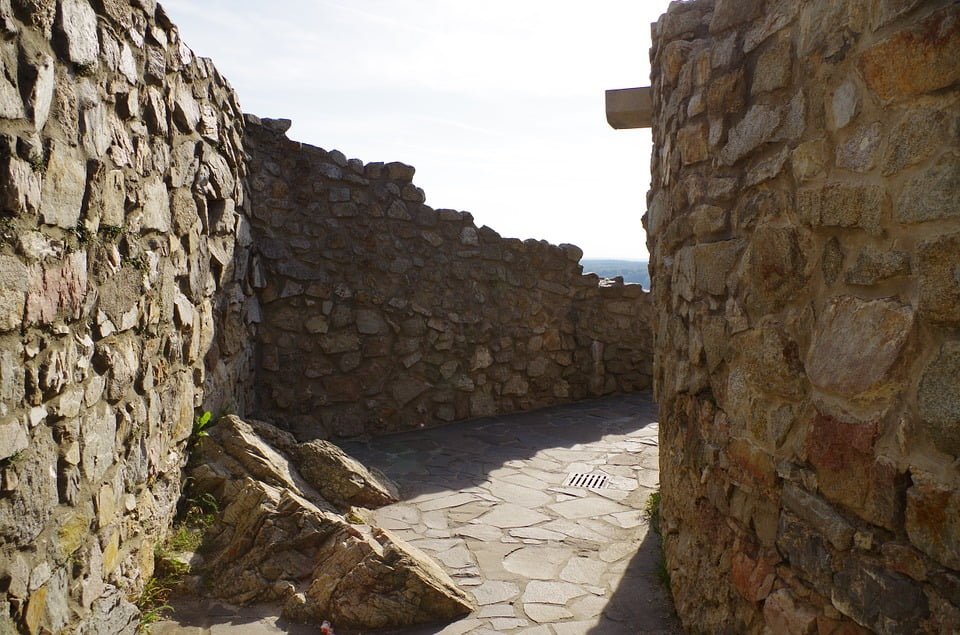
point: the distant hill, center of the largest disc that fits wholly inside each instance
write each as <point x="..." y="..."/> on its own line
<point x="631" y="270"/>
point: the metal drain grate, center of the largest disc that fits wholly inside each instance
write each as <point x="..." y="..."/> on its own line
<point x="587" y="481"/>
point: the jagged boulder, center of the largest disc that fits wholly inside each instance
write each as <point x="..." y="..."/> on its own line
<point x="278" y="539"/>
<point x="342" y="479"/>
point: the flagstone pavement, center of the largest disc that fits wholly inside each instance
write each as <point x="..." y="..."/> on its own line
<point x="487" y="499"/>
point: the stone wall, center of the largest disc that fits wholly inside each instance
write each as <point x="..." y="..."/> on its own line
<point x="123" y="305"/>
<point x="381" y="313"/>
<point x="804" y="225"/>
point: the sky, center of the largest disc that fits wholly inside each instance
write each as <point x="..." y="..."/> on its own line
<point x="499" y="104"/>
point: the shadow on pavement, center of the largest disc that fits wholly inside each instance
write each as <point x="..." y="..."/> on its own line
<point x="461" y="455"/>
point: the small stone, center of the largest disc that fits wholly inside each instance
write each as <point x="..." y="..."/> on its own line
<point x="768" y="168"/>
<point x="713" y="262"/>
<point x="78" y="21"/>
<point x="339" y="343"/>
<point x="692" y="143"/>
<point x="856" y="344"/>
<point x="13" y="437"/>
<point x="933" y="194"/>
<point x="774" y="267"/>
<point x="400" y="171"/>
<point x="41" y="93"/>
<point x="369" y="322"/>
<point x="13" y="288"/>
<point x="932" y="522"/>
<point x="842" y="205"/>
<point x="784" y="614"/>
<point x="317" y="325"/>
<point x="939" y="271"/>
<point x="469" y="236"/>
<point x="859" y="153"/>
<point x="875" y="266"/>
<point x="915" y="139"/>
<point x="844" y="104"/>
<point x="878" y="598"/>
<point x="729" y="13"/>
<point x="810" y="159"/>
<point x="806" y="550"/>
<point x="63" y="188"/>
<point x="819" y="515"/>
<point x="407" y="388"/>
<point x="186" y="112"/>
<point x="773" y="68"/>
<point x="939" y="399"/>
<point x="756" y="128"/>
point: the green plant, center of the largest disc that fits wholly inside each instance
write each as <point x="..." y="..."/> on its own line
<point x="111" y="232"/>
<point x="81" y="232"/>
<point x="86" y="70"/>
<point x="200" y="424"/>
<point x="652" y="510"/>
<point x="185" y="538"/>
<point x="354" y="518"/>
<point x="152" y="603"/>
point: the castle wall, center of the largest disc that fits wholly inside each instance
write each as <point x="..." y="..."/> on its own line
<point x="804" y="226"/>
<point x="123" y="302"/>
<point x="382" y="314"/>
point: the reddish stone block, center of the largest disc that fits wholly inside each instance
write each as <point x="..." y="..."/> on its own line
<point x="753" y="577"/>
<point x="692" y="142"/>
<point x="916" y="61"/>
<point x="849" y="473"/>
<point x="905" y="560"/>
<point x="752" y="462"/>
<point x="57" y="290"/>
<point x="786" y="615"/>
<point x="827" y="626"/>
<point x="833" y="444"/>
<point x="342" y="388"/>
<point x="933" y="521"/>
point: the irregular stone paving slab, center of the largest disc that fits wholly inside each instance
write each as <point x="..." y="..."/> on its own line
<point x="471" y="495"/>
<point x="447" y="502"/>
<point x="518" y="494"/>
<point x="587" y="508"/>
<point x="497" y="610"/>
<point x="584" y="571"/>
<point x="494" y="592"/>
<point x="546" y="613"/>
<point x="537" y="563"/>
<point x="542" y="592"/>
<point x="509" y="515"/>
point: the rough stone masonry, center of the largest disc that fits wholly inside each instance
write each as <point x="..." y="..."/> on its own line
<point x="124" y="302"/>
<point x="804" y="226"/>
<point x="381" y="313"/>
<point x="135" y="293"/>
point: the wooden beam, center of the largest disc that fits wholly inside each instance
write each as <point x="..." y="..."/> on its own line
<point x="630" y="108"/>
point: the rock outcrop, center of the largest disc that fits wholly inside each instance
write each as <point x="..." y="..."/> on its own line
<point x="277" y="538"/>
<point x="805" y="241"/>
